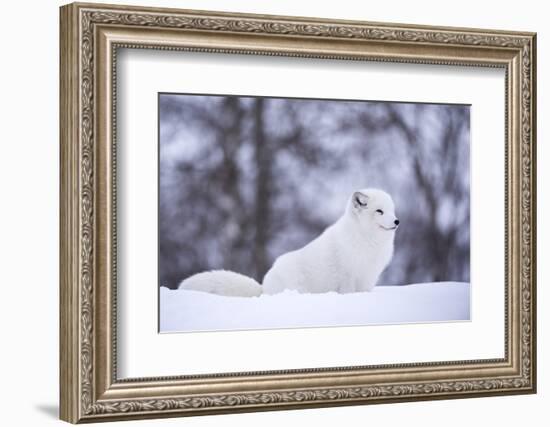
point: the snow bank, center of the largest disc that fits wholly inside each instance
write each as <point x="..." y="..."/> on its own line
<point x="185" y="311"/>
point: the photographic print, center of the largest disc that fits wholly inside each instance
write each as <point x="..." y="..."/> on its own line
<point x="287" y="212"/>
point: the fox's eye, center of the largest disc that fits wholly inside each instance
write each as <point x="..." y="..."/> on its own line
<point x="380" y="211"/>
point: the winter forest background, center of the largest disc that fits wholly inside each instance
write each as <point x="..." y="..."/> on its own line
<point x="246" y="179"/>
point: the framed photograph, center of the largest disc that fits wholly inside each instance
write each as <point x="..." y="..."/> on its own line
<point x="267" y="212"/>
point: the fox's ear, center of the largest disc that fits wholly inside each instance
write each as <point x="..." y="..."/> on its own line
<point x="360" y="200"/>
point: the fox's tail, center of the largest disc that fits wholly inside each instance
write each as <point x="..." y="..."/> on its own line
<point x="223" y="282"/>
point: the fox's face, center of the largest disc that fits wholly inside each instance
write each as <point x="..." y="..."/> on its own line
<point x="374" y="209"/>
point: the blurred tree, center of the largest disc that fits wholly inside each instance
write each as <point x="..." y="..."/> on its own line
<point x="439" y="159"/>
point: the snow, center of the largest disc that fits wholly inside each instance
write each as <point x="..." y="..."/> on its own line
<point x="187" y="311"/>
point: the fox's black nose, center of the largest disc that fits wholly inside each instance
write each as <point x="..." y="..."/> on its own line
<point x="396" y="222"/>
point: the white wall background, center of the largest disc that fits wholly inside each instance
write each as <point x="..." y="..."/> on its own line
<point x="29" y="170"/>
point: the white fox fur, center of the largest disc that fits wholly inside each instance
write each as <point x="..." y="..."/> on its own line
<point x="348" y="256"/>
<point x="223" y="282"/>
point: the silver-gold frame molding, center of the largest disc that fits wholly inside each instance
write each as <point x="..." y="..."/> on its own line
<point x="90" y="36"/>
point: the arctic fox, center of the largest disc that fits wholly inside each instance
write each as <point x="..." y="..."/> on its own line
<point x="348" y="256"/>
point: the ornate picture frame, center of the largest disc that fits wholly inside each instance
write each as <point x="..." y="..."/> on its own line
<point x="90" y="37"/>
